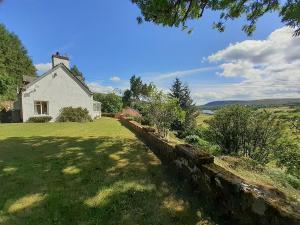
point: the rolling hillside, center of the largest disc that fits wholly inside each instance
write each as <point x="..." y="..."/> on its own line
<point x="255" y="103"/>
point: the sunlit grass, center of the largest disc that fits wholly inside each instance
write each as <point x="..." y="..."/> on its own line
<point x="87" y="173"/>
<point x="202" y="118"/>
<point x="26" y="202"/>
<point x="71" y="170"/>
<point x="269" y="176"/>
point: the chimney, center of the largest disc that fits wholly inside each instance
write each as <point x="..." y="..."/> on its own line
<point x="58" y="59"/>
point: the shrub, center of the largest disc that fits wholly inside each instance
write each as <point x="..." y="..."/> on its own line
<point x="162" y="111"/>
<point x="113" y="115"/>
<point x="134" y="118"/>
<point x="130" y="112"/>
<point x="203" y="144"/>
<point x="110" y="103"/>
<point x="290" y="158"/>
<point x="70" y="114"/>
<point x="39" y="119"/>
<point x="192" y="139"/>
<point x="240" y="130"/>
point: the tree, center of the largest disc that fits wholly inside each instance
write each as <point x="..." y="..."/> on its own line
<point x="240" y="130"/>
<point x="126" y="99"/>
<point x="14" y="63"/>
<point x="176" y="91"/>
<point x="136" y="87"/>
<point x="178" y="12"/>
<point x="138" y="91"/>
<point x="6" y="85"/>
<point x="162" y="111"/>
<point x="110" y="103"/>
<point x="185" y="102"/>
<point x="76" y="72"/>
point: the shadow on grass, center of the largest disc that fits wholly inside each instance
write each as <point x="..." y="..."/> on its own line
<point x="104" y="180"/>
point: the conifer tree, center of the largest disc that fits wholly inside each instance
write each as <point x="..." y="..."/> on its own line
<point x="183" y="95"/>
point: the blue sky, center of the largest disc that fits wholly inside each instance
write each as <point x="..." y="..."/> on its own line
<point x="104" y="40"/>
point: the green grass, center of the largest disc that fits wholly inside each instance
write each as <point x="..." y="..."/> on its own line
<point x="269" y="176"/>
<point x="201" y="118"/>
<point x="89" y="173"/>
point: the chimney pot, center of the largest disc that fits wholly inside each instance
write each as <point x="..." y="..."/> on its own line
<point x="58" y="59"/>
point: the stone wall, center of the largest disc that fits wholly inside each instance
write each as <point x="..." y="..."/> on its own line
<point x="232" y="197"/>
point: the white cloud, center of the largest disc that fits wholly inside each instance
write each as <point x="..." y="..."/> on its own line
<point x="115" y="78"/>
<point x="182" y="73"/>
<point x="268" y="68"/>
<point x="98" y="88"/>
<point x="43" y="67"/>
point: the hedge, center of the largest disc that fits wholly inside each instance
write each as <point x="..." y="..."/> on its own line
<point x="39" y="119"/>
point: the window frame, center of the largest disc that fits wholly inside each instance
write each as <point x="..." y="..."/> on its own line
<point x="96" y="106"/>
<point x="40" y="105"/>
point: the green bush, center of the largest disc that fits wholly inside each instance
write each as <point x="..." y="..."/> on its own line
<point x="110" y="103"/>
<point x="70" y="114"/>
<point x="108" y="115"/>
<point x="135" y="118"/>
<point x="240" y="130"/>
<point x="284" y="179"/>
<point x="39" y="119"/>
<point x="203" y="144"/>
<point x="290" y="158"/>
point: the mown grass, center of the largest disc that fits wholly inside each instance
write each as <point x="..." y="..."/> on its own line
<point x="89" y="173"/>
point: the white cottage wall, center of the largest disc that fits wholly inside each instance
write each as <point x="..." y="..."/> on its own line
<point x="59" y="90"/>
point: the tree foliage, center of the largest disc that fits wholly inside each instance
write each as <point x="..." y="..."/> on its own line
<point x="162" y="111"/>
<point x="110" y="103"/>
<point x="240" y="130"/>
<point x="138" y="91"/>
<point x="7" y="86"/>
<point x="185" y="102"/>
<point x="14" y="63"/>
<point x="178" y="12"/>
<point x="76" y="72"/>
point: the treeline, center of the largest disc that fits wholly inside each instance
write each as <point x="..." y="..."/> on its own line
<point x="14" y="63"/>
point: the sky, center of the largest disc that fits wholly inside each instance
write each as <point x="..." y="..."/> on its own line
<point x="104" y="40"/>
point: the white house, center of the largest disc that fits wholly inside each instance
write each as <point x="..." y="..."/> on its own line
<point x="57" y="88"/>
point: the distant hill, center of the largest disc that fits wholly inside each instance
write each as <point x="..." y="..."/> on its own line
<point x="254" y="103"/>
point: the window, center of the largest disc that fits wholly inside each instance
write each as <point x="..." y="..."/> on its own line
<point x="41" y="108"/>
<point x="97" y="107"/>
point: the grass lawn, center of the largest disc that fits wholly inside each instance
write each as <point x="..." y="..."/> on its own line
<point x="90" y="173"/>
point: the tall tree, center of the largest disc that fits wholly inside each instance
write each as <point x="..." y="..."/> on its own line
<point x="136" y="86"/>
<point x="14" y="62"/>
<point x="183" y="95"/>
<point x="126" y="99"/>
<point x="76" y="72"/>
<point x="177" y="12"/>
<point x="138" y="91"/>
<point x="176" y="90"/>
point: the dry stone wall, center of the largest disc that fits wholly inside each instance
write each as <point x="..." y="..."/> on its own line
<point x="231" y="196"/>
